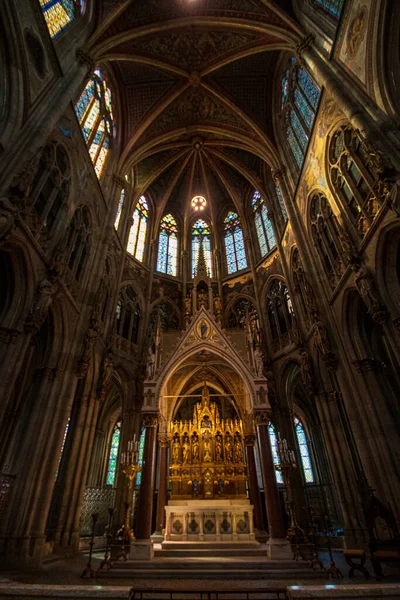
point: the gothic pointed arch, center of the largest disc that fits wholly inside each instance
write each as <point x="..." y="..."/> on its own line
<point x="235" y="251"/>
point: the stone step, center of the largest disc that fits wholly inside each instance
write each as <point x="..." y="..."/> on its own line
<point x="215" y="545"/>
<point x="194" y="563"/>
<point x="205" y="574"/>
<point x="201" y="552"/>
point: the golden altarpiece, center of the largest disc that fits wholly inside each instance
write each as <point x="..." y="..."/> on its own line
<point x="207" y="454"/>
<point x="208" y="478"/>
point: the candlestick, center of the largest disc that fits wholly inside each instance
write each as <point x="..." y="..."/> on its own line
<point x="130" y="467"/>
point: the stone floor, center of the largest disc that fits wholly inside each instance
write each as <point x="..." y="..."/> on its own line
<point x="68" y="572"/>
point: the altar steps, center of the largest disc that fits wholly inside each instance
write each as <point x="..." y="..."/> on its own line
<point x="210" y="550"/>
<point x="212" y="568"/>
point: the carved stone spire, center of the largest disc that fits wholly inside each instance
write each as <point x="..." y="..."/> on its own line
<point x="202" y="269"/>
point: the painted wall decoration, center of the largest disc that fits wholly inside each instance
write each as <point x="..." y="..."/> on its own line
<point x="352" y="46"/>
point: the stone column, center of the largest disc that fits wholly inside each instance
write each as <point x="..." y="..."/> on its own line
<point x="162" y="486"/>
<point x="255" y="498"/>
<point x="142" y="547"/>
<point x="277" y="545"/>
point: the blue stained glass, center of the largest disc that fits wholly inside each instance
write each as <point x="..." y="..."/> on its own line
<point x="302" y="99"/>
<point x="304" y="452"/>
<point x="297" y="127"/>
<point x="167" y="261"/>
<point x="119" y="209"/>
<point x="269" y="230"/>
<point x="274" y="450"/>
<point x="137" y="234"/>
<point x="94" y="113"/>
<point x="141" y="454"/>
<point x="261" y="235"/>
<point x="234" y="243"/>
<point x="309" y="88"/>
<point x="113" y="457"/>
<point x="58" y="14"/>
<point x="294" y="146"/>
<point x="304" y="108"/>
<point x="332" y="7"/>
<point x="280" y="200"/>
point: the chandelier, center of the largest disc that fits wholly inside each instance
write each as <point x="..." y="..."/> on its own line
<point x="198" y="202"/>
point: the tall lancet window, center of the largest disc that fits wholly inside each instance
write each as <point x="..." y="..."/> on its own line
<point x="332" y="7"/>
<point x="265" y="232"/>
<point x="94" y="112"/>
<point x="300" y="97"/>
<point x="234" y="243"/>
<point x="304" y="451"/>
<point x="113" y="456"/>
<point x="201" y="235"/>
<point x="119" y="209"/>
<point x="167" y="261"/>
<point x="281" y="202"/>
<point x="274" y="449"/>
<point x="59" y="13"/>
<point x="141" y="454"/>
<point x="137" y="234"/>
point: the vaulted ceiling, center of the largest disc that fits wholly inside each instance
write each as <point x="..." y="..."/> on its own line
<point x="196" y="84"/>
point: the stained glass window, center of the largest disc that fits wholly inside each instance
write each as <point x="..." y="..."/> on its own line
<point x="234" y="243"/>
<point x="167" y="261"/>
<point x="274" y="450"/>
<point x="94" y="112"/>
<point x="62" y="446"/>
<point x="304" y="452"/>
<point x="58" y="14"/>
<point x="300" y="97"/>
<point x="119" y="209"/>
<point x="281" y="202"/>
<point x="113" y="457"/>
<point x="332" y="7"/>
<point x="265" y="231"/>
<point x="141" y="454"/>
<point x="137" y="234"/>
<point x="201" y="234"/>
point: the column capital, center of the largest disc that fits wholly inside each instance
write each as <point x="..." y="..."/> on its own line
<point x="150" y="419"/>
<point x="262" y="417"/>
<point x="162" y="439"/>
<point x="279" y="173"/>
<point x="85" y="59"/>
<point x="305" y="44"/>
<point x="118" y="180"/>
<point x="249" y="439"/>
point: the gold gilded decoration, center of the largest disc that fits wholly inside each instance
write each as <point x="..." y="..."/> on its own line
<point x="207" y="454"/>
<point x="356" y="31"/>
<point x="203" y="329"/>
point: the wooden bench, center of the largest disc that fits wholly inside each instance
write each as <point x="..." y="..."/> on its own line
<point x="350" y="556"/>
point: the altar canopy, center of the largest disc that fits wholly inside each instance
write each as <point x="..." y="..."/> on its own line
<point x="207" y="454"/>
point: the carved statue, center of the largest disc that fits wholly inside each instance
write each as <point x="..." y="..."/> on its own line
<point x="238" y="450"/>
<point x="91" y="336"/>
<point x="321" y="337"/>
<point x="207" y="450"/>
<point x="175" y="451"/>
<point x="259" y="361"/>
<point x="188" y="305"/>
<point x="151" y="362"/>
<point x="195" y="448"/>
<point x="306" y="369"/>
<point x="228" y="449"/>
<point x="108" y="367"/>
<point x="296" y="334"/>
<point x="366" y="287"/>
<point x="8" y="216"/>
<point x="348" y="249"/>
<point x="218" y="309"/>
<point x="186" y="451"/>
<point x="218" y="448"/>
<point x="202" y="299"/>
<point x="44" y="298"/>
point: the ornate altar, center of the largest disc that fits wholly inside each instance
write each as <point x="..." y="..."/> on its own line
<point x="207" y="455"/>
